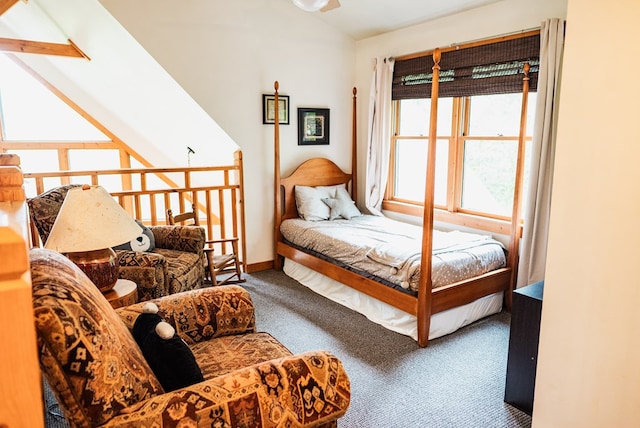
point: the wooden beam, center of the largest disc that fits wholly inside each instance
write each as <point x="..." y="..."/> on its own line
<point x="43" y="48"/>
<point x="6" y="5"/>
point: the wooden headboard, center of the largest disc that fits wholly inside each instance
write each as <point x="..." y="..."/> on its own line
<point x="313" y="172"/>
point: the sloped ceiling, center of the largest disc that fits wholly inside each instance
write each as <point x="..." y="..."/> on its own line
<point x="159" y="124"/>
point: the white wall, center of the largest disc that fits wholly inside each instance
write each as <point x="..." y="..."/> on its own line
<point x="588" y="372"/>
<point x="226" y="54"/>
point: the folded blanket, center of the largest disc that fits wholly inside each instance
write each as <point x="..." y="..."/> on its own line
<point x="404" y="256"/>
<point x="401" y="259"/>
<point x="392" y="255"/>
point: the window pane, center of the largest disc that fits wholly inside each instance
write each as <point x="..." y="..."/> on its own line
<point x="81" y="160"/>
<point x="37" y="160"/>
<point x="531" y="113"/>
<point x="489" y="176"/>
<point x="411" y="170"/>
<point x="31" y="112"/>
<point x="415" y="117"/>
<point x="499" y="115"/>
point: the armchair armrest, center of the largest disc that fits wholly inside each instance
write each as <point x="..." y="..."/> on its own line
<point x="147" y="270"/>
<point x="182" y="238"/>
<point x="202" y="314"/>
<point x="304" y="390"/>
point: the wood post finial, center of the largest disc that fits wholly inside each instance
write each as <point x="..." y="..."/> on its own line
<point x="437" y="55"/>
<point x="276" y="85"/>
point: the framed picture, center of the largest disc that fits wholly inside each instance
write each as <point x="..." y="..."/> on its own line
<point x="269" y="111"/>
<point x="313" y="126"/>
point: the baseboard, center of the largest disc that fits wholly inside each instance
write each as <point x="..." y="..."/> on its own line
<point x="257" y="267"/>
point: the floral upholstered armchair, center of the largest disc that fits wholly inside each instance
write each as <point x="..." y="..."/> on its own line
<point x="174" y="265"/>
<point x="100" y="377"/>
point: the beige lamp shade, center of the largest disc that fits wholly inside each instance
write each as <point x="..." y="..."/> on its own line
<point x="89" y="223"/>
<point x="90" y="219"/>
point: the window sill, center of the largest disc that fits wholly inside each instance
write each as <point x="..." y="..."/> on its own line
<point x="501" y="227"/>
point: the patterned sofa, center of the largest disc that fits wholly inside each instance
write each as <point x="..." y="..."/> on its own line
<point x="100" y="377"/>
<point x="175" y="264"/>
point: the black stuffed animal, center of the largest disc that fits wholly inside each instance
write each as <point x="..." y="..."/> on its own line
<point x="167" y="354"/>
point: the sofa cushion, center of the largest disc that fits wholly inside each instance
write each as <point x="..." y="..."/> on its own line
<point x="235" y="352"/>
<point x="185" y="271"/>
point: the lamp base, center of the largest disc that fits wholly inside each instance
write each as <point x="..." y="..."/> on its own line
<point x="101" y="266"/>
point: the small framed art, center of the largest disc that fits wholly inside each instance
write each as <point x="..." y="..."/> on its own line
<point x="313" y="126"/>
<point x="269" y="111"/>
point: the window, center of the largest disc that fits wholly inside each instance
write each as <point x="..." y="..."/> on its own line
<point x="47" y="131"/>
<point x="477" y="133"/>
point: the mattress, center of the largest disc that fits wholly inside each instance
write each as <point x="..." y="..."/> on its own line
<point x="390" y="250"/>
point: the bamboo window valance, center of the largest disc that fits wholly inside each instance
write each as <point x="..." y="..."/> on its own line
<point x="495" y="68"/>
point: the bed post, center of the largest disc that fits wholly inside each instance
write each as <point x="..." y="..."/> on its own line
<point x="354" y="149"/>
<point x="425" y="284"/>
<point x="514" y="243"/>
<point x="277" y="217"/>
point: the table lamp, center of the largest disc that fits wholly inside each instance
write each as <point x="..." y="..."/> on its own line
<point x="89" y="223"/>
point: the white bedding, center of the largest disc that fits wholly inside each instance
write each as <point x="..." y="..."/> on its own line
<point x="390" y="250"/>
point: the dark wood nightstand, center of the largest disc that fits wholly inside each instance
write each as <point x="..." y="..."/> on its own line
<point x="523" y="346"/>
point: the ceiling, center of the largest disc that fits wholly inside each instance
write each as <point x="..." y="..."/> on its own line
<point x="366" y="18"/>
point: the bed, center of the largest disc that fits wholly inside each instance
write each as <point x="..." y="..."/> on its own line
<point x="408" y="298"/>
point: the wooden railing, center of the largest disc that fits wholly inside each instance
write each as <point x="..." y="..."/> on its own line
<point x="21" y="381"/>
<point x="147" y="194"/>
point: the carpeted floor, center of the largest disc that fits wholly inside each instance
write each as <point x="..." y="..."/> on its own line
<point x="457" y="381"/>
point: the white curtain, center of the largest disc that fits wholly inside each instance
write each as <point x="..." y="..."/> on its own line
<point x="533" y="246"/>
<point x="379" y="134"/>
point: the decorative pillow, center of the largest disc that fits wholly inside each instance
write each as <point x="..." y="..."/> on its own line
<point x="168" y="355"/>
<point x="342" y="206"/>
<point x="143" y="242"/>
<point x="309" y="201"/>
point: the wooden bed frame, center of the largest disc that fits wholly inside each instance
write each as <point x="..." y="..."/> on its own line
<point x="323" y="172"/>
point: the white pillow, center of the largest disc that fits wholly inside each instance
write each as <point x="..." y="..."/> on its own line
<point x="309" y="201"/>
<point x="342" y="206"/>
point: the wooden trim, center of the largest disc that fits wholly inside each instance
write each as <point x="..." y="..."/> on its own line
<point x="21" y="386"/>
<point x="365" y="285"/>
<point x="443" y="298"/>
<point x="463" y="292"/>
<point x="514" y="243"/>
<point x="425" y="284"/>
<point x="277" y="205"/>
<point x="259" y="267"/>
<point x="7" y="4"/>
<point x="472" y="221"/>
<point x="42" y="48"/>
<point x="354" y="148"/>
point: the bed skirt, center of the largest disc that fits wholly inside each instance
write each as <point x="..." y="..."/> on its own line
<point x="386" y="315"/>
